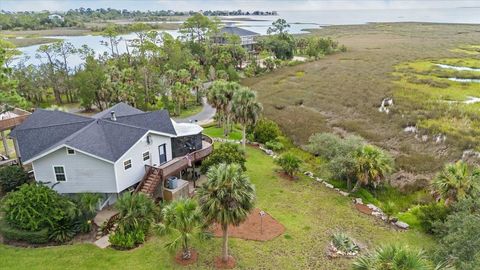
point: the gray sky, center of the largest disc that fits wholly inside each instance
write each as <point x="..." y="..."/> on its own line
<point x="279" y="5"/>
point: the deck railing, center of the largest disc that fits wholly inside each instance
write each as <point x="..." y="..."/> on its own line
<point x="177" y="164"/>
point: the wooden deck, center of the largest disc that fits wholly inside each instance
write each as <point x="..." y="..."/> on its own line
<point x="9" y="123"/>
<point x="155" y="176"/>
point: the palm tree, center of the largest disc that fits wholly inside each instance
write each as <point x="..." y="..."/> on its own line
<point x="372" y="165"/>
<point x="393" y="258"/>
<point x="456" y="182"/>
<point x="226" y="198"/>
<point x="246" y="109"/>
<point x="184" y="217"/>
<point x="220" y="96"/>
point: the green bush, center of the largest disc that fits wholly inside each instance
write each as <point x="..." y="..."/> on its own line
<point x="225" y="153"/>
<point x="266" y="131"/>
<point x="274" y="145"/>
<point x="34" y="207"/>
<point x="63" y="231"/>
<point x="344" y="243"/>
<point x="430" y="214"/>
<point x="289" y="163"/>
<point x="127" y="240"/>
<point x="458" y="237"/>
<point x="33" y="237"/>
<point x="12" y="177"/>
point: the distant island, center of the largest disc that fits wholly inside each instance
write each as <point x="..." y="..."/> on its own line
<point x="82" y="17"/>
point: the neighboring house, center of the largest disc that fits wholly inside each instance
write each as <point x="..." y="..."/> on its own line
<point x="55" y="17"/>
<point x="107" y="153"/>
<point x="247" y="37"/>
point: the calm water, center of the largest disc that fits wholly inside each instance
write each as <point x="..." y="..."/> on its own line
<point x="299" y="20"/>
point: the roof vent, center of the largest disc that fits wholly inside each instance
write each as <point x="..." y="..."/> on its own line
<point x="113" y="117"/>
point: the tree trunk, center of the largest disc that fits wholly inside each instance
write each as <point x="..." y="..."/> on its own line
<point x="225" y="243"/>
<point x="349" y="184"/>
<point x="244" y="136"/>
<point x="357" y="186"/>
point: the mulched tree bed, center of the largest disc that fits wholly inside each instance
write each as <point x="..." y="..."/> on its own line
<point x="251" y="228"/>
<point x="229" y="264"/>
<point x="193" y="259"/>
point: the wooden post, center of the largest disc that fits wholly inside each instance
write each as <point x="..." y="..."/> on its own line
<point x="5" y="145"/>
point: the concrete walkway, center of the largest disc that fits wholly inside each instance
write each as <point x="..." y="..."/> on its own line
<point x="104" y="215"/>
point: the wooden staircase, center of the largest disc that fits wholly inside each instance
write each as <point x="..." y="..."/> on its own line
<point x="150" y="182"/>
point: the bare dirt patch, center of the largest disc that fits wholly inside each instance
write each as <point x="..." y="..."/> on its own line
<point x="254" y="228"/>
<point x="229" y="264"/>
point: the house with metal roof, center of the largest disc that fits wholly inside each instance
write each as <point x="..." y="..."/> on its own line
<point x="247" y="37"/>
<point x="119" y="149"/>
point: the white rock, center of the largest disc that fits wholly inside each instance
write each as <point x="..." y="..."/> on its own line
<point x="358" y="201"/>
<point x="374" y="208"/>
<point x="402" y="225"/>
<point x="319" y="179"/>
<point x="346" y="194"/>
<point x="328" y="185"/>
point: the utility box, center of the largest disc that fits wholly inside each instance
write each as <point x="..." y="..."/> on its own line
<point x="181" y="191"/>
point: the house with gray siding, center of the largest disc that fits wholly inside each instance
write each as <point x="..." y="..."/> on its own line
<point x="108" y="153"/>
<point x="247" y="37"/>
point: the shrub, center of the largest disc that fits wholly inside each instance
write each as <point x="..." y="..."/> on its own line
<point x="33" y="237"/>
<point x="63" y="231"/>
<point x="34" y="207"/>
<point x="430" y="214"/>
<point x="393" y="257"/>
<point x="274" y="145"/>
<point x="127" y="240"/>
<point x="344" y="243"/>
<point x="289" y="163"/>
<point x="225" y="153"/>
<point x="266" y="131"/>
<point x="12" y="177"/>
<point x="458" y="235"/>
<point x="135" y="212"/>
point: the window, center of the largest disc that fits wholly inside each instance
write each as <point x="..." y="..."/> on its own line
<point x="70" y="151"/>
<point x="127" y="164"/>
<point x="60" y="173"/>
<point x="146" y="156"/>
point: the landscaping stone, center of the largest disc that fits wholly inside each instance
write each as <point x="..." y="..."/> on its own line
<point x="346" y="194"/>
<point x="307" y="173"/>
<point x="402" y="225"/>
<point x="328" y="185"/>
<point x="374" y="208"/>
<point x="358" y="201"/>
<point x="103" y="242"/>
<point x="319" y="179"/>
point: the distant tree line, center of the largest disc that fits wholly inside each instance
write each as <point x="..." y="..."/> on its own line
<point x="77" y="17"/>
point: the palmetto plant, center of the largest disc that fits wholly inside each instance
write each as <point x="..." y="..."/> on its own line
<point x="183" y="217"/>
<point x="135" y="212"/>
<point x="372" y="165"/>
<point x="456" y="182"/>
<point x="246" y="109"/>
<point x="395" y="258"/>
<point x="226" y="198"/>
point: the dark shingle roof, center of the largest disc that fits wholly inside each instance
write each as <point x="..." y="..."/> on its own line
<point x="233" y="30"/>
<point x="120" y="109"/>
<point x="99" y="135"/>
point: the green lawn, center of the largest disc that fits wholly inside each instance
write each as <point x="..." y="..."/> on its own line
<point x="309" y="211"/>
<point x="214" y="131"/>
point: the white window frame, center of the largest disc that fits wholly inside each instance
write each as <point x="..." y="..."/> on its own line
<point x="143" y="156"/>
<point x="124" y="166"/>
<point x="71" y="154"/>
<point x="55" y="173"/>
